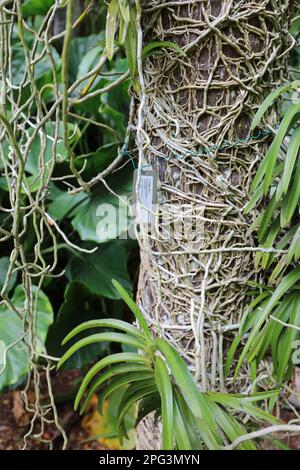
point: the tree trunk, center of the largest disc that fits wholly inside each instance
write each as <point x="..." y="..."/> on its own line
<point x="197" y="261"/>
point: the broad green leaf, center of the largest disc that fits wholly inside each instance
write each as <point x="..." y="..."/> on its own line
<point x="15" y="364"/>
<point x="96" y="270"/>
<point x="93" y="163"/>
<point x="37" y="156"/>
<point x="36" y="7"/>
<point x="164" y="386"/>
<point x="103" y="216"/>
<point x="63" y="203"/>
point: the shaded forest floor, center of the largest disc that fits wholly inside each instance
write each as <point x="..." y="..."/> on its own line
<point x="15" y="421"/>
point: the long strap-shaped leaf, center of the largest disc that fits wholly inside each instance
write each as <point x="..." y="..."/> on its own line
<point x="244" y="404"/>
<point x="101" y="337"/>
<point x="291" y="200"/>
<point x="274" y="149"/>
<point x="271" y="98"/>
<point x="283" y="287"/>
<point x="182" y="376"/>
<point x="181" y="434"/>
<point x="284" y="359"/>
<point x="112" y="372"/>
<point x="105" y="323"/>
<point x="230" y="426"/>
<point x="111" y="24"/>
<point x="164" y="386"/>
<point x="290" y="161"/>
<point x="133" y="307"/>
<point x="133" y="395"/>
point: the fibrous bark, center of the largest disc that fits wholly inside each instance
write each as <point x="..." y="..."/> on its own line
<point x="197" y="260"/>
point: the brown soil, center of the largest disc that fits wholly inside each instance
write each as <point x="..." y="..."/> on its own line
<point x="14" y="421"/>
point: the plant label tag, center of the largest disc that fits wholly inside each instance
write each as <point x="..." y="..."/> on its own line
<point x="145" y="196"/>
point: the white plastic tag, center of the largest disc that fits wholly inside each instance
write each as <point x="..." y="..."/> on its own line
<point x="145" y="196"/>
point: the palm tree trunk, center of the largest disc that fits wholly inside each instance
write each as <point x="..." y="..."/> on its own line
<point x="197" y="259"/>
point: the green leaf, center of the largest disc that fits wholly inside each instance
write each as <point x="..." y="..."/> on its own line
<point x="270" y="332"/>
<point x="102" y="216"/>
<point x="289" y="281"/>
<point x="193" y="434"/>
<point x="284" y="359"/>
<point x="105" y="323"/>
<point x="136" y="359"/>
<point x="230" y="426"/>
<point x="99" y="337"/>
<point x="290" y="162"/>
<point x="274" y="230"/>
<point x="36" y="7"/>
<point x="231" y="353"/>
<point x="63" y="203"/>
<point x="181" y="433"/>
<point x="159" y="45"/>
<point x="131" y="46"/>
<point x="95" y="162"/>
<point x="147" y="405"/>
<point x="291" y="199"/>
<point x="132" y="305"/>
<point x="267" y="216"/>
<point x="134" y="393"/>
<point x="36" y="158"/>
<point x="140" y="384"/>
<point x="274" y="150"/>
<point x="96" y="270"/>
<point x="182" y="376"/>
<point x="243" y="403"/>
<point x="109" y="423"/>
<point x="130" y="372"/>
<point x="111" y="24"/>
<point x="12" y="329"/>
<point x="125" y="11"/>
<point x="164" y="386"/>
